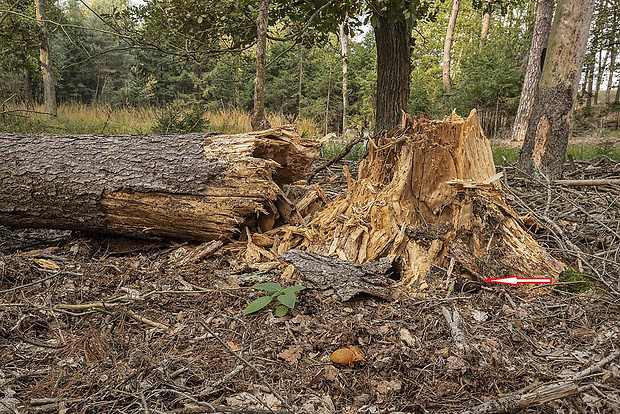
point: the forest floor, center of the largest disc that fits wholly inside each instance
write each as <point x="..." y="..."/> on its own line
<point x="95" y="324"/>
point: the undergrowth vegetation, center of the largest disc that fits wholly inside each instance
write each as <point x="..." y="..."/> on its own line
<point x="182" y="118"/>
<point x="176" y="118"/>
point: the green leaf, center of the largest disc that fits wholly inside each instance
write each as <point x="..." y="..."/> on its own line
<point x="293" y="289"/>
<point x="269" y="287"/>
<point x="257" y="305"/>
<point x="287" y="299"/>
<point x="281" y="310"/>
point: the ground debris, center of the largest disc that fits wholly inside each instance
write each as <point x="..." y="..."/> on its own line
<point x="100" y="359"/>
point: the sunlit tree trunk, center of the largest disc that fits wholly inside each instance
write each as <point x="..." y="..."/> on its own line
<point x="610" y="81"/>
<point x="486" y="23"/>
<point x="546" y="140"/>
<point x="259" y="122"/>
<point x="445" y="74"/>
<point x="542" y="26"/>
<point x="602" y="63"/>
<point x="300" y="79"/>
<point x="344" y="43"/>
<point x="28" y="99"/>
<point x="393" y="39"/>
<point x="49" y="90"/>
<point x="589" y="92"/>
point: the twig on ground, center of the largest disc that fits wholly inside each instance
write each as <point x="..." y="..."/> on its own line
<point x="249" y="365"/>
<point x="542" y="394"/>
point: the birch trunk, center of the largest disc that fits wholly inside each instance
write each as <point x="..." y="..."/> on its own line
<point x="445" y="73"/>
<point x="259" y="122"/>
<point x="49" y="90"/>
<point x="546" y="140"/>
<point x="542" y="26"/>
<point x="344" y="43"/>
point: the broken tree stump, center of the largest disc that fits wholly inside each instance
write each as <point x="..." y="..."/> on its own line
<point x="192" y="186"/>
<point x="427" y="194"/>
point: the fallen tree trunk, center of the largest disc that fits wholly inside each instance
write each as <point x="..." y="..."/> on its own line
<point x="427" y="194"/>
<point x="193" y="186"/>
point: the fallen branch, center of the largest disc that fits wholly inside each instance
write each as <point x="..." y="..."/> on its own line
<point x="222" y="409"/>
<point x="585" y="183"/>
<point x="336" y="158"/>
<point x="541" y="395"/>
<point x="146" y="321"/>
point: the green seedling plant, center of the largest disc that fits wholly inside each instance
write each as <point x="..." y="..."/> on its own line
<point x="286" y="298"/>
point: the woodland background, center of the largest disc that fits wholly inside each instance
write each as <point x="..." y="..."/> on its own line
<point x="107" y="82"/>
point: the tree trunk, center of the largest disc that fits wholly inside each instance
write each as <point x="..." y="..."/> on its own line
<point x="546" y="140"/>
<point x="28" y="98"/>
<point x="300" y="80"/>
<point x="486" y="23"/>
<point x="193" y="186"/>
<point x="427" y="195"/>
<point x="393" y="39"/>
<point x="602" y="63"/>
<point x="49" y="90"/>
<point x="542" y="26"/>
<point x="610" y="81"/>
<point x="445" y="72"/>
<point x="259" y="122"/>
<point x="344" y="43"/>
<point x="590" y="82"/>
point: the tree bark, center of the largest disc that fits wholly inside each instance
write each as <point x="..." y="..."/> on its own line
<point x="546" y="140"/>
<point x="300" y="80"/>
<point x="193" y="186"/>
<point x="590" y="82"/>
<point x="259" y="122"/>
<point x="486" y="23"/>
<point x="542" y="26"/>
<point x="28" y="98"/>
<point x="602" y="63"/>
<point x="49" y="90"/>
<point x="344" y="43"/>
<point x="610" y="81"/>
<point x="613" y="52"/>
<point x="445" y="72"/>
<point x="346" y="278"/>
<point x="393" y="39"/>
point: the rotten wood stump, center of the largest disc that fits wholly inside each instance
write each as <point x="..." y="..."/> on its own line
<point x="427" y="195"/>
<point x="193" y="186"/>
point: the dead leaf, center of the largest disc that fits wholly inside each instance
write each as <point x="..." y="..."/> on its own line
<point x="330" y="373"/>
<point x="46" y="264"/>
<point x="406" y="337"/>
<point x="291" y="354"/>
<point x="232" y="346"/>
<point x="480" y="316"/>
<point x="384" y="387"/>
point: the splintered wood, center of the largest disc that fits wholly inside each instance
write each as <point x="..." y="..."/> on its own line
<point x="427" y="194"/>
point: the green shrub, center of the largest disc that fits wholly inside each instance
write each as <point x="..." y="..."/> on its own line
<point x="180" y="120"/>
